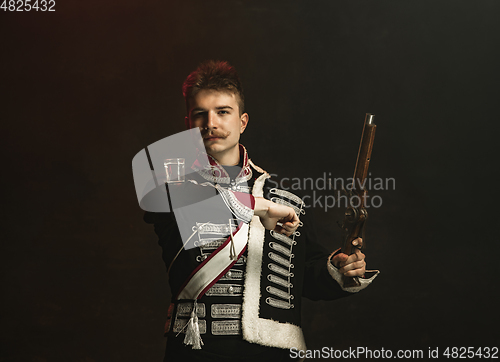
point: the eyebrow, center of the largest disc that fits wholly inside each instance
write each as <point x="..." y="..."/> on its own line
<point x="199" y="109"/>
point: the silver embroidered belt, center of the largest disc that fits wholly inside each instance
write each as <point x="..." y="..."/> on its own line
<point x="230" y="315"/>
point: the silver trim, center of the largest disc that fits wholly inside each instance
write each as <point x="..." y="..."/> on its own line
<point x="225" y="290"/>
<point x="209" y="243"/>
<point x="180" y="325"/>
<point x="241" y="211"/>
<point x="279" y="303"/>
<point x="233" y="274"/>
<point x="185" y="309"/>
<point x="226" y="311"/>
<point x="279" y="293"/>
<point x="280" y="248"/>
<point x="226" y="328"/>
<point x="240" y="188"/>
<point x="288" y="195"/>
<point x="277" y="280"/>
<point x="241" y="261"/>
<point x="280" y="259"/>
<point x="202" y="257"/>
<point x="297" y="210"/>
<point x="283" y="238"/>
<point x="214" y="229"/>
<point x="279" y="270"/>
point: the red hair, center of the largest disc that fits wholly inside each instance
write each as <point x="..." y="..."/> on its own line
<point x="214" y="75"/>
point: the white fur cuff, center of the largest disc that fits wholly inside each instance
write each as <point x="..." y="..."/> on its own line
<point x="334" y="272"/>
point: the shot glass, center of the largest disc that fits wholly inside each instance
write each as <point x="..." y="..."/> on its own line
<point x="174" y="168"/>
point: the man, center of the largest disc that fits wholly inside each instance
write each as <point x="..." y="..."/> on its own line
<point x="244" y="307"/>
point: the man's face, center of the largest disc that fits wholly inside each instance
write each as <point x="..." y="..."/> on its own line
<point x="218" y="117"/>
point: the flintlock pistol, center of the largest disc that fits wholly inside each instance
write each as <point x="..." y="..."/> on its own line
<point x="356" y="214"/>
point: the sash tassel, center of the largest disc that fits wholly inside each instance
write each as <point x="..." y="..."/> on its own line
<point x="193" y="337"/>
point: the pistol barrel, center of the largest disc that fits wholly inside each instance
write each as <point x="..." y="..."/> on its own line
<point x="364" y="152"/>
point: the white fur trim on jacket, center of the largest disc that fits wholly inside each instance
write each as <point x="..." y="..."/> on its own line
<point x="258" y="330"/>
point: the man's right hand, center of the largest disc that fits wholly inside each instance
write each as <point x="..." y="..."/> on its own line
<point x="271" y="213"/>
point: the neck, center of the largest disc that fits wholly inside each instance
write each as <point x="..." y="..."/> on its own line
<point x="229" y="157"/>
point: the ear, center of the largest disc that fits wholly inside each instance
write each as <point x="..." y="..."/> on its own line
<point x="186" y="121"/>
<point x="244" y="122"/>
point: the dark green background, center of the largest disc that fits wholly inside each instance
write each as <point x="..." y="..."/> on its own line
<point x="86" y="87"/>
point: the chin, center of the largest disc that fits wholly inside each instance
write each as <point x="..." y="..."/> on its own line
<point x="215" y="149"/>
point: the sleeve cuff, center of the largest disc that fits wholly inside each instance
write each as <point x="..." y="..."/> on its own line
<point x="366" y="280"/>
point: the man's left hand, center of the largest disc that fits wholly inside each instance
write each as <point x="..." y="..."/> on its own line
<point x="353" y="265"/>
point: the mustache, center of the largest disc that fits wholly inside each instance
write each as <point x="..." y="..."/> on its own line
<point x="220" y="134"/>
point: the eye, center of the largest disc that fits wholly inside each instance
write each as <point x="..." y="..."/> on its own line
<point x="199" y="114"/>
<point x="223" y="112"/>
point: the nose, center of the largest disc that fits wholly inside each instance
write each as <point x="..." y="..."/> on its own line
<point x="212" y="121"/>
